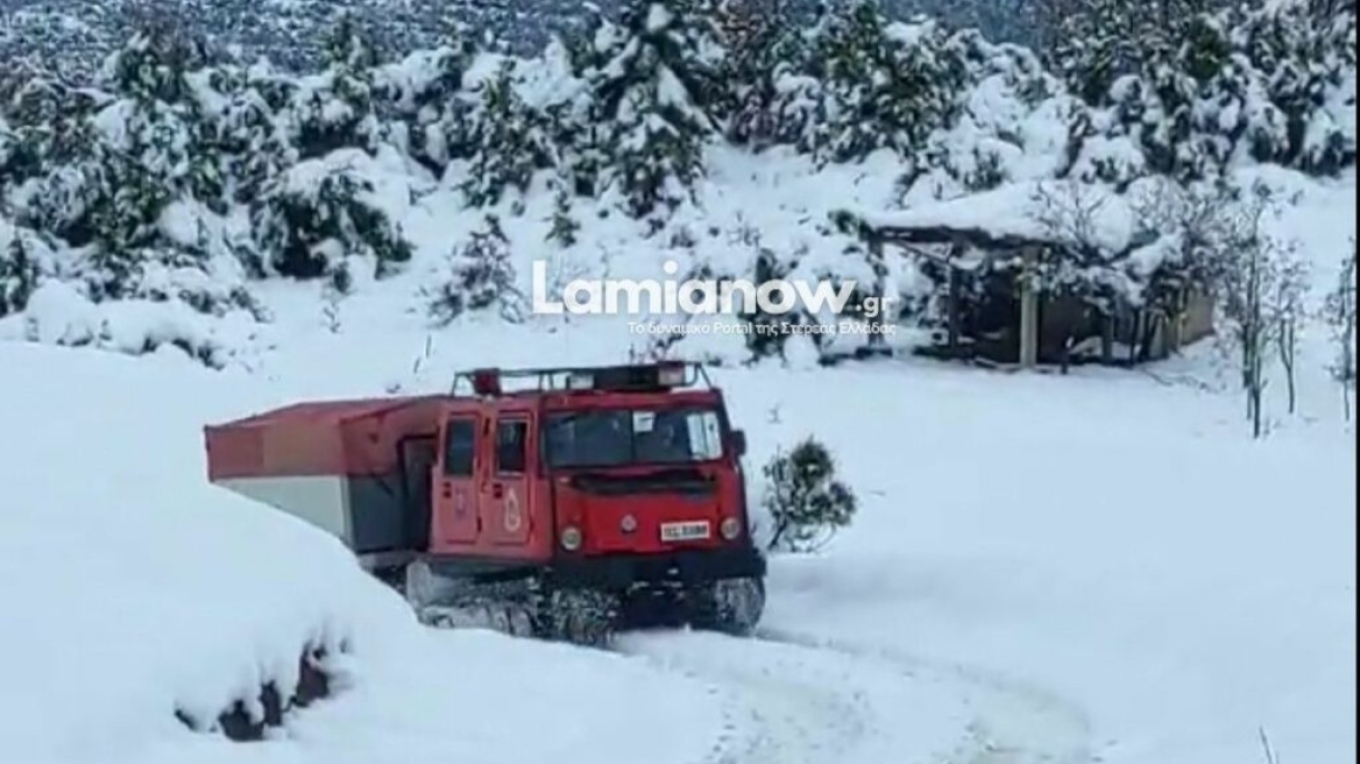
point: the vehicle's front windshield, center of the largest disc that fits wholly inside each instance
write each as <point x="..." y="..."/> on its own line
<point x="616" y="437"/>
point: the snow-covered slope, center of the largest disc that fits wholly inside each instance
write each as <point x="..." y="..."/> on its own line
<point x="131" y="589"/>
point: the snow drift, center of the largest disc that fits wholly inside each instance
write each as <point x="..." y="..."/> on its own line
<point x="132" y="589"/>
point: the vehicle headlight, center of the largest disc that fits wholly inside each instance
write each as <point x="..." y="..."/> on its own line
<point x="730" y="528"/>
<point x="571" y="538"/>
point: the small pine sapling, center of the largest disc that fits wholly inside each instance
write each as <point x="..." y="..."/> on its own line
<point x="805" y="500"/>
<point x="564" y="227"/>
<point x="18" y="276"/>
<point x="479" y="275"/>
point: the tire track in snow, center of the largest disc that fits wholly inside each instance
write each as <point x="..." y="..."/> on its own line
<point x="794" y="699"/>
<point x="782" y="704"/>
<point x="1014" y="722"/>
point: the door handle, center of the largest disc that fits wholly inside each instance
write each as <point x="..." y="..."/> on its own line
<point x="446" y="491"/>
<point x="497" y="491"/>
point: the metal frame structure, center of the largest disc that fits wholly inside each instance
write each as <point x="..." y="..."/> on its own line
<point x="555" y="378"/>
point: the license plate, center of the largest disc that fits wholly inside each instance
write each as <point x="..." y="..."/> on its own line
<point x="690" y="531"/>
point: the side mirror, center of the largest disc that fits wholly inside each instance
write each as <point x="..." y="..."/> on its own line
<point x="739" y="442"/>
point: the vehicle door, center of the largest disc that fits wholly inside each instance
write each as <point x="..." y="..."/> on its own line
<point x="507" y="492"/>
<point x="455" y="492"/>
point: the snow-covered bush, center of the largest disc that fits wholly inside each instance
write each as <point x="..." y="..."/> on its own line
<point x="337" y="108"/>
<point x="476" y="276"/>
<point x="1304" y="54"/>
<point x="804" y="499"/>
<point x="655" y="80"/>
<point x="19" y="269"/>
<point x="425" y="94"/>
<point x="320" y="213"/>
<point x="509" y="141"/>
<point x="1196" y="85"/>
<point x="252" y="719"/>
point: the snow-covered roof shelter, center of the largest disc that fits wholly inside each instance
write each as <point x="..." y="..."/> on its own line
<point x="1081" y="247"/>
<point x="1065" y="214"/>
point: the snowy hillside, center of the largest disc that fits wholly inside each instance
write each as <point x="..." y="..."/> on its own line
<point x="165" y="204"/>
<point x="285" y="32"/>
<point x="1101" y="565"/>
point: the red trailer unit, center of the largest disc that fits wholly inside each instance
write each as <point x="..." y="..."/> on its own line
<point x="339" y="465"/>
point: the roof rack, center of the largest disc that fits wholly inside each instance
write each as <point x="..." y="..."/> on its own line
<point x="653" y="377"/>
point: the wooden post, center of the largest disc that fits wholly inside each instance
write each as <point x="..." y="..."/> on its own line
<point x="955" y="294"/>
<point x="1175" y="329"/>
<point x="1107" y="336"/>
<point x="1029" y="312"/>
<point x="875" y="335"/>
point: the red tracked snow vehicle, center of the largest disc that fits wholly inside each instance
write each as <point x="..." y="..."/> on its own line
<point x="596" y="499"/>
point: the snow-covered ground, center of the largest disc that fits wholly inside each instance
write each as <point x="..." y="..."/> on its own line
<point x="1096" y="565"/>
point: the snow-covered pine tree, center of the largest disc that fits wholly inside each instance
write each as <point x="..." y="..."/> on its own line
<point x="110" y="177"/>
<point x="509" y="140"/>
<point x="775" y="100"/>
<point x="242" y="124"/>
<point x="657" y="82"/>
<point x="1093" y="43"/>
<point x="127" y="178"/>
<point x="337" y="108"/>
<point x="312" y="219"/>
<point x="805" y="499"/>
<point x="1167" y="79"/>
<point x="477" y="275"/>
<point x="568" y="108"/>
<point x="426" y="93"/>
<point x="19" y="268"/>
<point x="885" y="84"/>
<point x="562" y="226"/>
<point x="1304" y="52"/>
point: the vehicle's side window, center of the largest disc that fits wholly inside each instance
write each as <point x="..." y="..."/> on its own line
<point x="459" y="437"/>
<point x="512" y="445"/>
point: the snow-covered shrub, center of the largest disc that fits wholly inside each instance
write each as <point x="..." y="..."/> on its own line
<point x="508" y="141"/>
<point x="804" y="498"/>
<point x="337" y="108"/>
<point x="320" y="213"/>
<point x="1196" y="85"/>
<point x="1304" y="54"/>
<point x="250" y="719"/>
<point x="426" y="94"/>
<point x="63" y="313"/>
<point x="881" y="84"/>
<point x="655" y="80"/>
<point x="19" y="268"/>
<point x="241" y="121"/>
<point x="1012" y="122"/>
<point x="476" y="276"/>
<point x="563" y="227"/>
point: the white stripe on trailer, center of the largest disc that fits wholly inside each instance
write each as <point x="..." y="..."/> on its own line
<point x="319" y="500"/>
